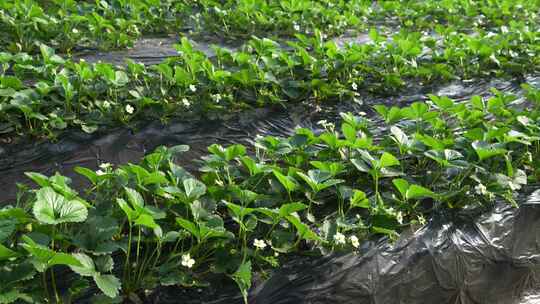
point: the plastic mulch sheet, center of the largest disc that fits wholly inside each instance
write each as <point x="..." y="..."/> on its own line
<point x="493" y="258"/>
<point x="489" y="256"/>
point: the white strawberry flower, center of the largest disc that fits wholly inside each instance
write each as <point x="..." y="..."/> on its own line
<point x="187" y="261"/>
<point x="216" y="97"/>
<point x="339" y="238"/>
<point x="186" y="102"/>
<point x="354" y="241"/>
<point x="480" y="189"/>
<point x="193" y="88"/>
<point x="105" y="166"/>
<point x="130" y="109"/>
<point x="260" y="244"/>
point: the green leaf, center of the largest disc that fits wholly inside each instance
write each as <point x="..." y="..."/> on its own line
<point x="359" y="199"/>
<point x="202" y="209"/>
<point x="60" y="258"/>
<point x="399" y="136"/>
<point x="189" y="226"/>
<point x="442" y="102"/>
<point x="178" y="149"/>
<point x="315" y="179"/>
<point x="7" y="227"/>
<point x="288" y="209"/>
<point x="108" y="284"/>
<point x="392" y="234"/>
<point x="388" y="160"/>
<point x="390" y="115"/>
<point x="402" y="186"/>
<point x="130" y="213"/>
<point x="146" y="220"/>
<point x="485" y="150"/>
<point x="97" y="235"/>
<point x="288" y="182"/>
<point x="135" y="198"/>
<point x="89" y="174"/>
<point x="6" y="253"/>
<point x="38" y="178"/>
<point x="7" y="297"/>
<point x="416" y="191"/>
<point x="360" y="165"/>
<point x="349" y="132"/>
<point x="52" y="208"/>
<point x="239" y="211"/>
<point x="194" y="188"/>
<point x="120" y="78"/>
<point x="87" y="268"/>
<point x="303" y="230"/>
<point x="45" y="257"/>
<point x="242" y="277"/>
<point x="234" y="151"/>
<point x="104" y="263"/>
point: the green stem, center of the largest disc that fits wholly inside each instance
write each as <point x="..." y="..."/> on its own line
<point x="53" y="280"/>
<point x="377" y="189"/>
<point x="144" y="263"/>
<point x="138" y="248"/>
<point x="45" y="287"/>
<point x="128" y="254"/>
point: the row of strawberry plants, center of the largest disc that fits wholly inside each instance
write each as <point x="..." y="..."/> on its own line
<point x="46" y="95"/>
<point x="240" y="19"/>
<point x="68" y="24"/>
<point x="140" y="226"/>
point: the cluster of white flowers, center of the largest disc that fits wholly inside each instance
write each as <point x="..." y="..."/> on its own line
<point x="327" y="125"/>
<point x="354" y="241"/>
<point x="481" y="189"/>
<point x="399" y="217"/>
<point x="186" y="102"/>
<point x="296" y="26"/>
<point x="187" y="261"/>
<point x="105" y="166"/>
<point x="260" y="244"/>
<point x="193" y="88"/>
<point x="216" y="98"/>
<point x="339" y="238"/>
<point x="421" y="220"/>
<point x="354" y="86"/>
<point x="106" y="104"/>
<point x="129" y="109"/>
